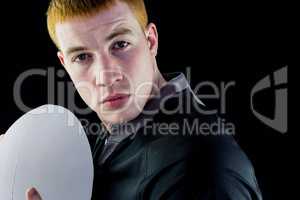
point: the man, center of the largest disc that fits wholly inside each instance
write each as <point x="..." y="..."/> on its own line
<point x="109" y="50"/>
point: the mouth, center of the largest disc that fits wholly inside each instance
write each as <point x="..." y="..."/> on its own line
<point x="116" y="100"/>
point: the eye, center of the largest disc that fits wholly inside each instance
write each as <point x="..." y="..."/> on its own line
<point x="84" y="57"/>
<point x="120" y="45"/>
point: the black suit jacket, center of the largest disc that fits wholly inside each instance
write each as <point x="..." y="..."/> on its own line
<point x="158" y="164"/>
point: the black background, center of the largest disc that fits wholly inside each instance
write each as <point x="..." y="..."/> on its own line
<point x="220" y="42"/>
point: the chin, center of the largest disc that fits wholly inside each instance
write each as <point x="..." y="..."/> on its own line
<point x="113" y="119"/>
<point x="120" y="117"/>
<point x="127" y="114"/>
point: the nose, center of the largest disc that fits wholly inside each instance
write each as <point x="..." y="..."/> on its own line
<point x="108" y="73"/>
<point x="108" y="78"/>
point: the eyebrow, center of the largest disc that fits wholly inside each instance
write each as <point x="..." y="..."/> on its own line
<point x="119" y="31"/>
<point x="115" y="33"/>
<point x="75" y="49"/>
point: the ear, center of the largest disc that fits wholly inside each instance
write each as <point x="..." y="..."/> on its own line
<point x="152" y="38"/>
<point x="61" y="57"/>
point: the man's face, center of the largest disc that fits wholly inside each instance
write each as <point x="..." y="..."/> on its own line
<point x="110" y="56"/>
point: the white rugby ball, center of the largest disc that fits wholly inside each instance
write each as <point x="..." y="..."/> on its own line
<point x="46" y="148"/>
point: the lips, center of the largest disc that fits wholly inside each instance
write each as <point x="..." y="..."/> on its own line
<point x="114" y="97"/>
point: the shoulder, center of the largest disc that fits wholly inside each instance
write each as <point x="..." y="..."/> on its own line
<point x="206" y="165"/>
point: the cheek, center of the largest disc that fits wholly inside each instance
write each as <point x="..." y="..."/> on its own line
<point x="140" y="71"/>
<point x="139" y="65"/>
<point x="84" y="85"/>
<point x="88" y="95"/>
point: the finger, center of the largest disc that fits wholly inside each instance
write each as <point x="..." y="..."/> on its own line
<point x="32" y="194"/>
<point x="1" y="137"/>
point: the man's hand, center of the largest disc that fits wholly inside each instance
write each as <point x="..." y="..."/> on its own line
<point x="32" y="194"/>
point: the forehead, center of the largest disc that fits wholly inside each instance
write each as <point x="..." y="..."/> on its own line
<point x="81" y="29"/>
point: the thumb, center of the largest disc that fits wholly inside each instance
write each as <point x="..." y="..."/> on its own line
<point x="32" y="194"/>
